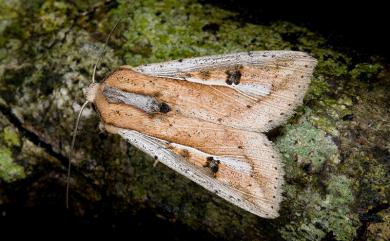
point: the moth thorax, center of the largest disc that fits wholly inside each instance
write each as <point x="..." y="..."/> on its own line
<point x="90" y="92"/>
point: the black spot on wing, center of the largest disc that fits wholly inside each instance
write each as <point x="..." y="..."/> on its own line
<point x="213" y="164"/>
<point x="233" y="76"/>
<point x="164" y="108"/>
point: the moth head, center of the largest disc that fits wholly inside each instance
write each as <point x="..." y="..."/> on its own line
<point x="90" y="92"/>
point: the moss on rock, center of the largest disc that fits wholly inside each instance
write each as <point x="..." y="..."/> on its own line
<point x="10" y="137"/>
<point x="322" y="212"/>
<point x="9" y="171"/>
<point x="335" y="149"/>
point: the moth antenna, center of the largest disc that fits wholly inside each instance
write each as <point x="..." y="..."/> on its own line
<point x="81" y="111"/>
<point x="103" y="50"/>
<point x="71" y="151"/>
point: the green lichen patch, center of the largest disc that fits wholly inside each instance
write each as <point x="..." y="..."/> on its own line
<point x="319" y="202"/>
<point x="159" y="31"/>
<point x="54" y="15"/>
<point x="366" y="71"/>
<point x="380" y="230"/>
<point x="10" y="137"/>
<point x="317" y="215"/>
<point x="10" y="143"/>
<point x="305" y="147"/>
<point x="9" y="170"/>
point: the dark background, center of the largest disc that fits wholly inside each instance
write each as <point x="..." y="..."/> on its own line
<point x="360" y="27"/>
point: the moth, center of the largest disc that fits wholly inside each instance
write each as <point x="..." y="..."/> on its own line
<point x="205" y="118"/>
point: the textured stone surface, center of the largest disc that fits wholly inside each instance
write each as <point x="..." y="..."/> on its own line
<point x="336" y="148"/>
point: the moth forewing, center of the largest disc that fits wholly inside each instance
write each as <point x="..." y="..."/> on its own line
<point x="245" y="181"/>
<point x="203" y="117"/>
<point x="267" y="87"/>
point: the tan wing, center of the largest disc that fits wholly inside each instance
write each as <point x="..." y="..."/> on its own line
<point x="253" y="90"/>
<point x="245" y="178"/>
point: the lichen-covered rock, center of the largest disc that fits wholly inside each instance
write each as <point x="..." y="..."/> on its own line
<point x="336" y="148"/>
<point x="9" y="170"/>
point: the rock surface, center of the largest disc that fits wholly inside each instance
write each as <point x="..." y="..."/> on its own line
<point x="336" y="148"/>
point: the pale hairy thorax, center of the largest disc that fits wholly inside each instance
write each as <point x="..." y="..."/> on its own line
<point x="205" y="118"/>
